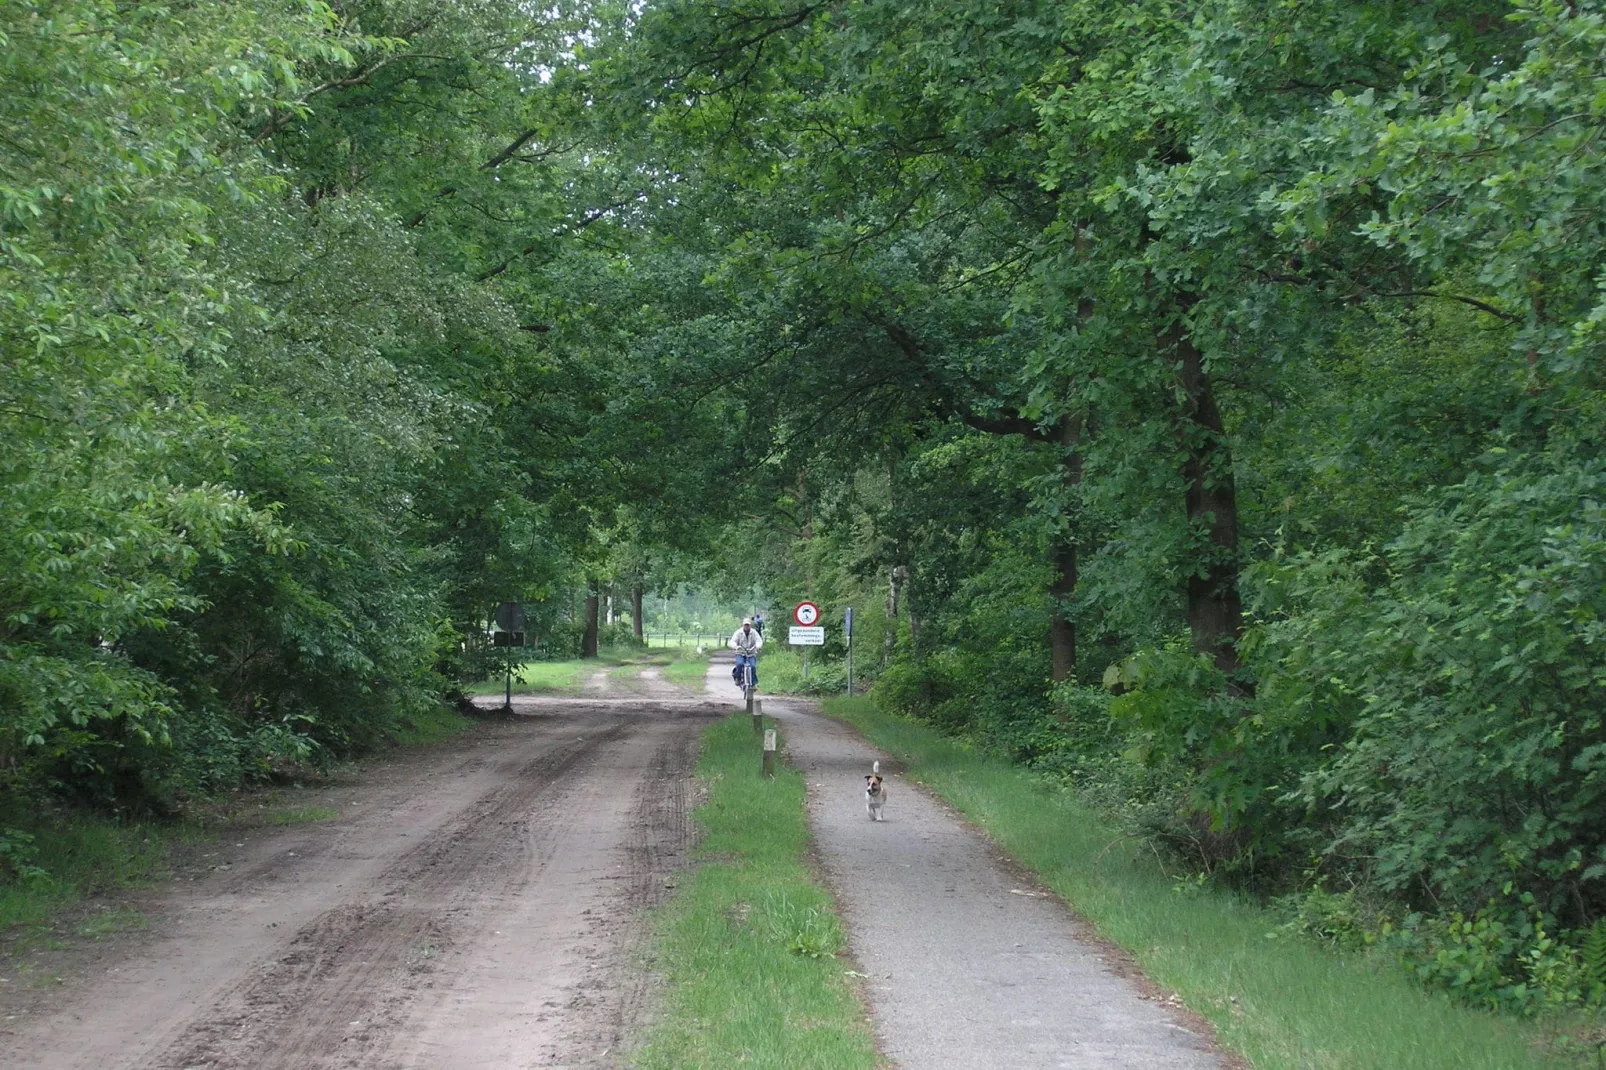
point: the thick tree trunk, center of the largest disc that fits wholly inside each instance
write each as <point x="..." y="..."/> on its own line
<point x="1215" y="612"/>
<point x="588" y="642"/>
<point x="636" y="594"/>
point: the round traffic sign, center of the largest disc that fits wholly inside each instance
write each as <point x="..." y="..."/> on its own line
<point x="807" y="614"/>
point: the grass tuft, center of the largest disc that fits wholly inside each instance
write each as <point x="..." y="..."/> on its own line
<point x="1284" y="1002"/>
<point x="749" y="943"/>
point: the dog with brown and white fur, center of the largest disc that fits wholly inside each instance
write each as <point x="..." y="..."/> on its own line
<point x="875" y="792"/>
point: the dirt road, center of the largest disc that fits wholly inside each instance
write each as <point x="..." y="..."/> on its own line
<point x="473" y="906"/>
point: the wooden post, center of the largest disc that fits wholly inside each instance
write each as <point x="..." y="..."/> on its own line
<point x="758" y="716"/>
<point x="769" y="752"/>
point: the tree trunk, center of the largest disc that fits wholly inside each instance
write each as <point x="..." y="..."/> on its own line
<point x="636" y="594"/>
<point x="588" y="642"/>
<point x="895" y="581"/>
<point x="912" y="608"/>
<point x="1215" y="612"/>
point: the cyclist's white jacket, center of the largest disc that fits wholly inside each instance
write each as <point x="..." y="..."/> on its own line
<point x="750" y="643"/>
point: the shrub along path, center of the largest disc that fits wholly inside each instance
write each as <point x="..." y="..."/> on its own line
<point x="969" y="963"/>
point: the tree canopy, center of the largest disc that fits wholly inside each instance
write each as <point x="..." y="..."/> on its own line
<point x="1205" y="398"/>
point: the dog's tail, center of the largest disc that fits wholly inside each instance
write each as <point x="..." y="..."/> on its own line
<point x="875" y="767"/>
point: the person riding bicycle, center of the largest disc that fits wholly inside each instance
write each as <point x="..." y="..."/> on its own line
<point x="747" y="642"/>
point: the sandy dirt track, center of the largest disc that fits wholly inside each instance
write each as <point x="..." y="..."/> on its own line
<point x="474" y="906"/>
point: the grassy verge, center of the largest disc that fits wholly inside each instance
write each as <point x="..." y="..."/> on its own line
<point x="64" y="862"/>
<point x="548" y="677"/>
<point x="749" y="943"/>
<point x="780" y="670"/>
<point x="1283" y="1002"/>
<point x="439" y="722"/>
<point x="569" y="677"/>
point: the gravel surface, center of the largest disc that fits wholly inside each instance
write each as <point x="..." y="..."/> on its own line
<point x="475" y="906"/>
<point x="970" y="965"/>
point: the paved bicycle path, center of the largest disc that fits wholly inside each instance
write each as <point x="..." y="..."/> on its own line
<point x="964" y="970"/>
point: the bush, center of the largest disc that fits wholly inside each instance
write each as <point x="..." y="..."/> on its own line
<point x="1470" y="685"/>
<point x="621" y="634"/>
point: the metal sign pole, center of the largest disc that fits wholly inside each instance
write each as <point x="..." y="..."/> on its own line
<point x="847" y="632"/>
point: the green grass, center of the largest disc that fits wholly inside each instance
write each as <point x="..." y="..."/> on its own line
<point x="551" y="677"/>
<point x="1285" y="1002"/>
<point x="568" y="677"/>
<point x="435" y="724"/>
<point x="749" y="943"/>
<point x="688" y="669"/>
<point x="72" y="859"/>
<point x="780" y="672"/>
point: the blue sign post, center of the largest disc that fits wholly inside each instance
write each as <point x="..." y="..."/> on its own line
<point x="847" y="631"/>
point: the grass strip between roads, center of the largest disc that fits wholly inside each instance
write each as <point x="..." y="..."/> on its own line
<point x="1284" y="1002"/>
<point x="748" y="945"/>
<point x="689" y="669"/>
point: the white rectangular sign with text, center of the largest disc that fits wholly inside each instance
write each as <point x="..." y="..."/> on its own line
<point x="807" y="636"/>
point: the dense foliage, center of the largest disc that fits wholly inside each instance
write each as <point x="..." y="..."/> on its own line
<point x="1200" y="402"/>
<point x="298" y="382"/>
<point x="1210" y="393"/>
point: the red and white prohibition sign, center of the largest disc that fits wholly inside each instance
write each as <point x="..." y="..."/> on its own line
<point x="807" y="614"/>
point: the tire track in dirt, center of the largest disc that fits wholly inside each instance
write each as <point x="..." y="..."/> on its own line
<point x="475" y="905"/>
<point x="333" y="993"/>
<point x="660" y="834"/>
<point x="559" y="982"/>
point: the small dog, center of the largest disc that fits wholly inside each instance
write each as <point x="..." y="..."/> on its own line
<point x="875" y="792"/>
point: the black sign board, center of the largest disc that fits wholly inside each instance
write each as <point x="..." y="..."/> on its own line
<point x="510" y="617"/>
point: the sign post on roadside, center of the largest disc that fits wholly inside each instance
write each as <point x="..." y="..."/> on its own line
<point x="509" y="633"/>
<point x="847" y="635"/>
<point x="808" y="631"/>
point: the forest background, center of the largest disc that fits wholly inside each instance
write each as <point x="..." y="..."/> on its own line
<point x="1210" y="393"/>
